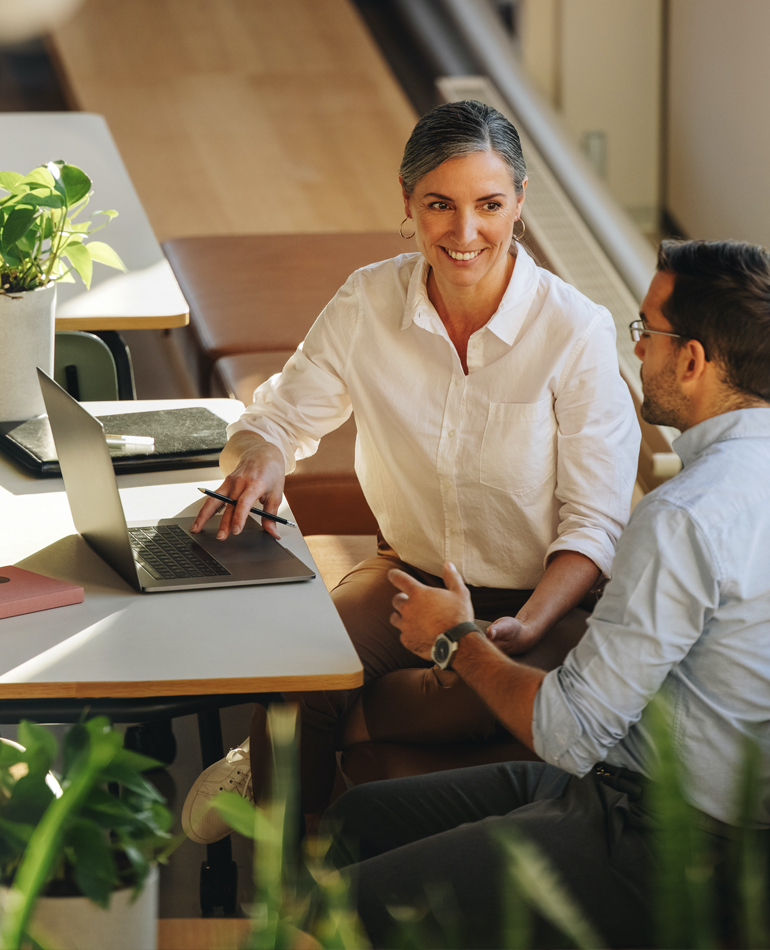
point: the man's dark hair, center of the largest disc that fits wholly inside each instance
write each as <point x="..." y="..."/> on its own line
<point x="721" y="297"/>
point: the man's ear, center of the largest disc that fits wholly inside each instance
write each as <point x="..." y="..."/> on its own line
<point x="691" y="362"/>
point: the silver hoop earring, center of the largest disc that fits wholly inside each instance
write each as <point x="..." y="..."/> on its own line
<point x="406" y="237"/>
<point x="523" y="229"/>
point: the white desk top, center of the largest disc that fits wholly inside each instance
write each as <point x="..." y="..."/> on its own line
<point x="148" y="296"/>
<point x="277" y="637"/>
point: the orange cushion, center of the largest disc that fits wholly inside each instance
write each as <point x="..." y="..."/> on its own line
<point x="258" y="293"/>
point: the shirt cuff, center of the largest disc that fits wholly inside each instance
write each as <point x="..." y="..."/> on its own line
<point x="599" y="549"/>
<point x="242" y="425"/>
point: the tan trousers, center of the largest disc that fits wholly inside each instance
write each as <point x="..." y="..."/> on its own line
<point x="405" y="698"/>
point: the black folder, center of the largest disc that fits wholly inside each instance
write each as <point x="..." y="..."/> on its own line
<point x="184" y="438"/>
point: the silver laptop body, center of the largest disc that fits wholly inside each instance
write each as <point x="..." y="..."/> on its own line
<point x="252" y="557"/>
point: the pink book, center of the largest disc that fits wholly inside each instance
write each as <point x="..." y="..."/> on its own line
<point x="22" y="592"/>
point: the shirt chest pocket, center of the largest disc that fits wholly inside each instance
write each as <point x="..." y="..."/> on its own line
<point x="518" y="451"/>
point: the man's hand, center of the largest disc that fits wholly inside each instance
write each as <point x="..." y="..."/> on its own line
<point x="512" y="636"/>
<point x="421" y="613"/>
<point x="256" y="480"/>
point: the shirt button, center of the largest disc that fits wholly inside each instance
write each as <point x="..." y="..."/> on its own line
<point x="458" y="382"/>
<point x="451" y="433"/>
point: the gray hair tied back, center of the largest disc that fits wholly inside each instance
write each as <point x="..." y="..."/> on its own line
<point x="456" y="129"/>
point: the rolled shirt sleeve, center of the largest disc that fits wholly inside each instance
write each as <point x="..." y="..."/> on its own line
<point x="295" y="408"/>
<point x="597" y="448"/>
<point x="662" y="595"/>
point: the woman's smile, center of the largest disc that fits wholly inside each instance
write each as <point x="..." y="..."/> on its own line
<point x="462" y="255"/>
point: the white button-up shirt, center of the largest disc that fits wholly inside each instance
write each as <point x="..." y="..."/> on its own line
<point x="533" y="452"/>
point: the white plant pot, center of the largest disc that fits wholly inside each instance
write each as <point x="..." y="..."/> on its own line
<point x="75" y="923"/>
<point x="26" y="341"/>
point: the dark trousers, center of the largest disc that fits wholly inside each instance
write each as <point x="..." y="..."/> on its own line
<point x="434" y="838"/>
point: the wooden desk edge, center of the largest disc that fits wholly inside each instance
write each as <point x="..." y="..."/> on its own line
<point x="161" y="322"/>
<point x="196" y="933"/>
<point x="205" y="687"/>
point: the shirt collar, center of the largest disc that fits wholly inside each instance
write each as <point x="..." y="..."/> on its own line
<point x="740" y="424"/>
<point x="507" y="320"/>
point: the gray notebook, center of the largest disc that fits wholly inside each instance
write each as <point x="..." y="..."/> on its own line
<point x="183" y="437"/>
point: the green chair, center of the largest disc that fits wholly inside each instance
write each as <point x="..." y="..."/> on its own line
<point x="85" y="366"/>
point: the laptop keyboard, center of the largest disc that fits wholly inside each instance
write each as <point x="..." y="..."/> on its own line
<point x="166" y="552"/>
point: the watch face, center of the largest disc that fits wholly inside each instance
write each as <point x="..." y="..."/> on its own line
<point x="441" y="650"/>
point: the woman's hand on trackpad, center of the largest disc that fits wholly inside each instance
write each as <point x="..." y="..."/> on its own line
<point x="256" y="481"/>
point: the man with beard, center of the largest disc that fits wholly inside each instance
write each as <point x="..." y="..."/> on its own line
<point x="687" y="611"/>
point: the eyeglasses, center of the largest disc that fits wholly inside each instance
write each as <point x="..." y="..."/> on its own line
<point x="638" y="330"/>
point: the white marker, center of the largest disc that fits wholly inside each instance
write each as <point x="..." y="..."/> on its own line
<point x="129" y="440"/>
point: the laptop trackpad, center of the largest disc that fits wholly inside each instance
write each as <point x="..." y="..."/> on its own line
<point x="251" y="545"/>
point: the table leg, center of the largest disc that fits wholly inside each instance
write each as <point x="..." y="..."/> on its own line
<point x="219" y="873"/>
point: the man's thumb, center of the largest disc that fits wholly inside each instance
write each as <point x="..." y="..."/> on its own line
<point x="452" y="578"/>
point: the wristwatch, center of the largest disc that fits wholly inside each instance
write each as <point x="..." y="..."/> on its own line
<point x="445" y="646"/>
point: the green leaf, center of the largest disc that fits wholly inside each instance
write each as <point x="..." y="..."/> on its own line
<point x="138" y="859"/>
<point x="107" y="811"/>
<point x="12" y="256"/>
<point x="29" y="799"/>
<point x="33" y="736"/>
<point x="241" y="815"/>
<point x="54" y="170"/>
<point x="137" y="761"/>
<point x="39" y="176"/>
<point x="110" y="214"/>
<point x="75" y="745"/>
<point x="40" y="746"/>
<point x="750" y="856"/>
<point x="15" y="834"/>
<point x="160" y="818"/>
<point x="16" y="226"/>
<point x="80" y="259"/>
<point x="535" y="878"/>
<point x="104" y="254"/>
<point x="93" y="861"/>
<point x="76" y="183"/>
<point x="10" y="755"/>
<point x="124" y="775"/>
<point x="9" y="180"/>
<point x="682" y="906"/>
<point x="26" y="244"/>
<point x="50" y="200"/>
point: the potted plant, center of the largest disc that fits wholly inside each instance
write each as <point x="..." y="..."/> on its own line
<point x="40" y="243"/>
<point x="88" y="852"/>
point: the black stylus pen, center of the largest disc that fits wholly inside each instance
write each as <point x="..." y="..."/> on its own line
<point x="257" y="511"/>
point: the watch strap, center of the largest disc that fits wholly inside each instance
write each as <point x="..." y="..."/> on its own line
<point x="458" y="632"/>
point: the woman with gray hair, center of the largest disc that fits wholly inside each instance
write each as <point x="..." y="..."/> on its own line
<point x="494" y="431"/>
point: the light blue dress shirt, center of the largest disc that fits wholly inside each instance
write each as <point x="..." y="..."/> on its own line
<point x="688" y="606"/>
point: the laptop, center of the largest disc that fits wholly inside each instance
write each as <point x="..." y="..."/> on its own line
<point x="151" y="555"/>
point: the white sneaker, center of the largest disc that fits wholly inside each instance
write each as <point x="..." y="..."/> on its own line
<point x="200" y="822"/>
